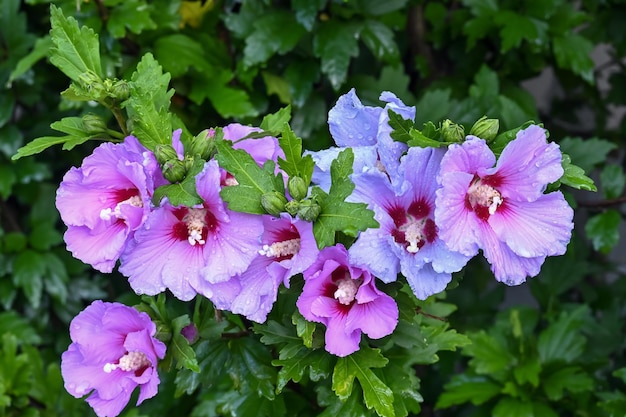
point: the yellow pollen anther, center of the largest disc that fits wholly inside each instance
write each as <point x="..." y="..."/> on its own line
<point x="195" y="220"/>
<point x="130" y="362"/>
<point x="278" y="249"/>
<point x="346" y="290"/>
<point x="485" y="196"/>
<point x="108" y="213"/>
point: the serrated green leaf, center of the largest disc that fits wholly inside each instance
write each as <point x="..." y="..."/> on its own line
<point x="603" y="230"/>
<point x="149" y="102"/>
<point x="304" y="328"/>
<point x="488" y="354"/>
<point x="249" y="364"/>
<point x="183" y="193"/>
<point x="486" y="85"/>
<point x="613" y="180"/>
<point x="465" y="388"/>
<point x="433" y="106"/>
<point x="401" y="127"/>
<point x="294" y="361"/>
<point x="294" y="164"/>
<point x="562" y="341"/>
<point x="276" y="31"/>
<point x="132" y="15"/>
<point x="335" y="43"/>
<point x="574" y="176"/>
<point x="586" y="153"/>
<point x="572" y="379"/>
<point x="43" y="236"/>
<point x="528" y="371"/>
<point x="11" y="322"/>
<point x="275" y="122"/>
<point x="178" y="52"/>
<point x="75" y="51"/>
<point x="253" y="181"/>
<point x="228" y="101"/>
<point x="377" y="395"/>
<point x="337" y="215"/>
<point x="421" y="140"/>
<point x="515" y="28"/>
<point x="179" y="347"/>
<point x="573" y="52"/>
<point x="40" y="50"/>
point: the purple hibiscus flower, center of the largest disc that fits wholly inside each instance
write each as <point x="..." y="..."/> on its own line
<point x="105" y="200"/>
<point x="113" y="351"/>
<point x="366" y="130"/>
<point x="288" y="249"/>
<point x="181" y="248"/>
<point x="503" y="209"/>
<point x="345" y="299"/>
<point x="408" y="238"/>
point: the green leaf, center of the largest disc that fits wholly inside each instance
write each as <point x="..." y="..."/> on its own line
<point x="486" y="85"/>
<point x="275" y="122"/>
<point x="29" y="268"/>
<point x="179" y="347"/>
<point x="401" y="127"/>
<point x="515" y="28"/>
<point x="421" y="140"/>
<point x="587" y="153"/>
<point x="276" y="31"/>
<point x="275" y="84"/>
<point x="42" y="46"/>
<point x="377" y="395"/>
<point x="464" y="388"/>
<point x="183" y="193"/>
<point x="228" y="101"/>
<point x="178" y="52"/>
<point x="294" y="164"/>
<point x="488" y="354"/>
<point x="131" y="14"/>
<point x="75" y="51"/>
<point x="149" y="102"/>
<point x="7" y="179"/>
<point x="249" y="366"/>
<point x="306" y="11"/>
<point x="336" y="43"/>
<point x="433" y="106"/>
<point x="573" y="52"/>
<point x="528" y="371"/>
<point x="603" y="230"/>
<point x="304" y="328"/>
<point x="574" y="176"/>
<point x="294" y="361"/>
<point x="336" y="215"/>
<point x="613" y="181"/>
<point x="379" y="39"/>
<point x="43" y="236"/>
<point x="253" y="181"/>
<point x="562" y="340"/>
<point x="511" y="407"/>
<point x="572" y="379"/>
<point x="11" y="322"/>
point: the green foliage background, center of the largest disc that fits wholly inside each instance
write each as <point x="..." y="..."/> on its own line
<point x="558" y="351"/>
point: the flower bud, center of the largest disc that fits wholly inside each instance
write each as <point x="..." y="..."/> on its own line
<point x="190" y="332"/>
<point x="309" y="210"/>
<point x="120" y="90"/>
<point x="174" y="170"/>
<point x="297" y="188"/>
<point x="292" y="207"/>
<point x="94" y="124"/>
<point x="273" y="203"/>
<point x="452" y="132"/>
<point x="165" y="153"/>
<point x="486" y="128"/>
<point x="203" y="144"/>
<point x="92" y="83"/>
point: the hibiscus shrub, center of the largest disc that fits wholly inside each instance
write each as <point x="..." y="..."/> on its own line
<point x="256" y="203"/>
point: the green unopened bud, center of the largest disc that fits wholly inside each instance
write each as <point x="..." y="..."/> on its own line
<point x="309" y="210"/>
<point x="94" y="124"/>
<point x="452" y="132"/>
<point x="292" y="207"/>
<point x="203" y="144"/>
<point x="486" y="128"/>
<point x="174" y="170"/>
<point x="120" y="90"/>
<point x="273" y="203"/>
<point x="165" y="153"/>
<point x="297" y="188"/>
<point x="92" y="84"/>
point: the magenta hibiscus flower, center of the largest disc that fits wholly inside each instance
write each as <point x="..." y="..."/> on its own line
<point x="113" y="351"/>
<point x="288" y="249"/>
<point x="503" y="209"/>
<point x="182" y="248"/>
<point x="105" y="200"/>
<point x="345" y="299"/>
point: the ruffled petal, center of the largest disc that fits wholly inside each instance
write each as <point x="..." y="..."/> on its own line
<point x="372" y="252"/>
<point x="100" y="247"/>
<point x="351" y="123"/>
<point x="339" y="341"/>
<point x="259" y="290"/>
<point x="108" y="407"/>
<point x="376" y="319"/>
<point x="527" y="165"/>
<point x="420" y="167"/>
<point x="540" y="228"/>
<point x="457" y="224"/>
<point x="426" y="282"/>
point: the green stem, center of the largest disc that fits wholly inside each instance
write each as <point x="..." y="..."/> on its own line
<point x="115" y="134"/>
<point x="120" y="120"/>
